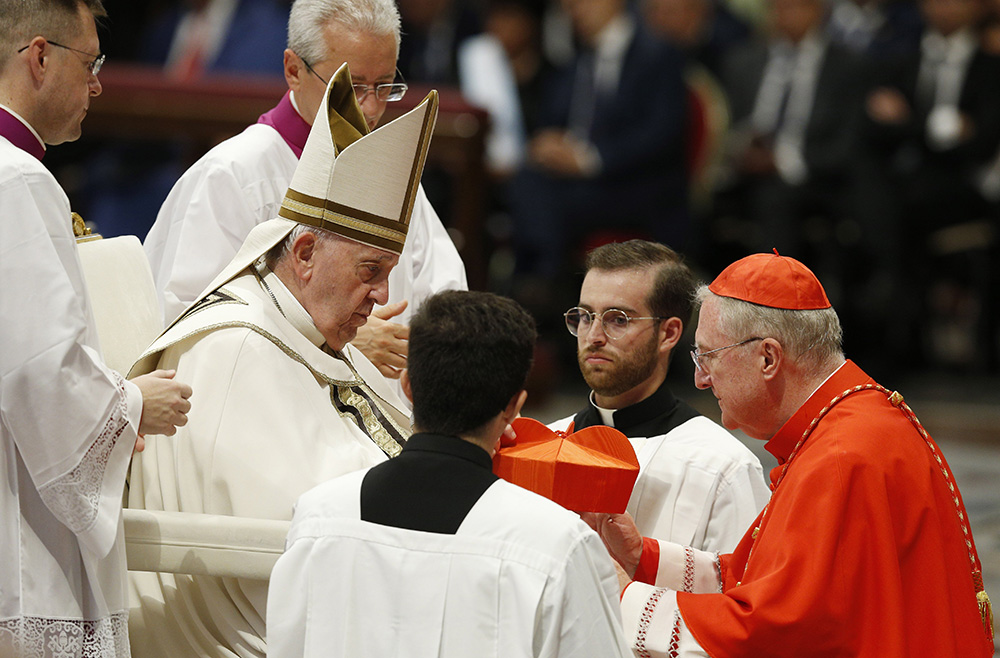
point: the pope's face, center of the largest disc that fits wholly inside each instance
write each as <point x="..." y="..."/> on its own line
<point x="345" y="280"/>
<point x="620" y="372"/>
<point x="71" y="85"/>
<point x="372" y="60"/>
<point x="732" y="374"/>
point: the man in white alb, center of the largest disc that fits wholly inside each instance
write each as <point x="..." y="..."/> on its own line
<point x="697" y="485"/>
<point x="242" y="181"/>
<point x="430" y="554"/>
<point x="284" y="401"/>
<point x="68" y="424"/>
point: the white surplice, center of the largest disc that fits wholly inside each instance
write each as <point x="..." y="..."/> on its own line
<point x="521" y="577"/>
<point x="698" y="486"/>
<point x="272" y="415"/>
<point x="68" y="425"/>
<point x="239" y="184"/>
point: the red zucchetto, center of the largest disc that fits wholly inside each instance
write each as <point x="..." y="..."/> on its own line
<point x="771" y="280"/>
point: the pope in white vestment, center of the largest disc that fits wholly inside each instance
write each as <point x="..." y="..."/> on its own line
<point x="283" y="404"/>
<point x="68" y="425"/>
<point x="276" y="414"/>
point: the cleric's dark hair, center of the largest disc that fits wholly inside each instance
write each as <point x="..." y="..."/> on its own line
<point x="673" y="288"/>
<point x="469" y="354"/>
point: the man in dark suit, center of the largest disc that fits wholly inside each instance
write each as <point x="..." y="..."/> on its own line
<point x="934" y="117"/>
<point x="610" y="152"/>
<point x="932" y="125"/>
<point x="795" y="103"/>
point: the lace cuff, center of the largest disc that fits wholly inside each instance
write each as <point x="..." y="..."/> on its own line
<point x="653" y="624"/>
<point x="75" y="498"/>
<point x="36" y="637"/>
<point x="686" y="569"/>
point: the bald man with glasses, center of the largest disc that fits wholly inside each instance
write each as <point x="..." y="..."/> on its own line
<point x="697" y="483"/>
<point x="240" y="183"/>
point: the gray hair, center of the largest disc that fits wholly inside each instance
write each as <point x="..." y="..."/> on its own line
<point x="23" y="20"/>
<point x="309" y="18"/>
<point x="278" y="252"/>
<point x="814" y="338"/>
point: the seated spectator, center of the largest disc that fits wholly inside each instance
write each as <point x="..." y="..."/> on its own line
<point x="877" y="28"/>
<point x="610" y="151"/>
<point x="704" y="30"/>
<point x="286" y="402"/>
<point x="795" y="104"/>
<point x="434" y="30"/>
<point x="932" y="124"/>
<point x="431" y="554"/>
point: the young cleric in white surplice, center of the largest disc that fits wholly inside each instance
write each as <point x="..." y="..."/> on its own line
<point x="698" y="485"/>
<point x="68" y="424"/>
<point x="430" y="554"/>
<point x="285" y="401"/>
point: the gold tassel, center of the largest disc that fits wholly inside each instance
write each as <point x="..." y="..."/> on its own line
<point x="80" y="227"/>
<point x="986" y="612"/>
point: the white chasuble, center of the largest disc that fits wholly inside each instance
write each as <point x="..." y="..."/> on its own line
<point x="272" y="415"/>
<point x="68" y="425"/>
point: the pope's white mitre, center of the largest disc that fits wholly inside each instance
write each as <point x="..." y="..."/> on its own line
<point x="360" y="187"/>
<point x="367" y="197"/>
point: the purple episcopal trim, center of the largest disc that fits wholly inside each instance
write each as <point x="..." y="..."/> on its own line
<point x="20" y="135"/>
<point x="292" y="127"/>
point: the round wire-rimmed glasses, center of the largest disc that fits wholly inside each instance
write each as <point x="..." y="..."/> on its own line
<point x="614" y="321"/>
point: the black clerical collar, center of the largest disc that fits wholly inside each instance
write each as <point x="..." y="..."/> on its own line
<point x="449" y="445"/>
<point x="431" y="486"/>
<point x="657" y="414"/>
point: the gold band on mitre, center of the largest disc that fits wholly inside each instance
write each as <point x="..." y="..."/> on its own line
<point x="357" y="184"/>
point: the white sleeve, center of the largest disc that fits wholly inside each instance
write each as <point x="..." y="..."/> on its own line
<point x="199" y="229"/>
<point x="653" y="624"/>
<point x="437" y="265"/>
<point x="581" y="616"/>
<point x="72" y="420"/>
<point x="741" y="495"/>
<point x="288" y="601"/>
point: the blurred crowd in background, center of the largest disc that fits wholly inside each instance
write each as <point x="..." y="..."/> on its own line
<point x="861" y="137"/>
